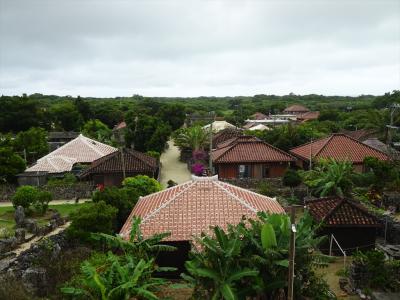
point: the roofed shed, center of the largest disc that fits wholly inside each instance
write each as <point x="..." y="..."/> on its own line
<point x="190" y="208"/>
<point x="353" y="226"/>
<point x="109" y="170"/>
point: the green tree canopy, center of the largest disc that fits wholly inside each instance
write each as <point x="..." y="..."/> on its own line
<point x="33" y="142"/>
<point x="10" y="164"/>
<point x="66" y="116"/>
<point x="97" y="130"/>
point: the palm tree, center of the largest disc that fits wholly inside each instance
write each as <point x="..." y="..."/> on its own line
<point x="194" y="138"/>
<point x="330" y="178"/>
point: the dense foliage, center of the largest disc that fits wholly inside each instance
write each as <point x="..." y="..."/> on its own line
<point x="251" y="259"/>
<point x="125" y="276"/>
<point x="330" y="178"/>
<point x="94" y="217"/>
<point x="31" y="197"/>
<point x="141" y="185"/>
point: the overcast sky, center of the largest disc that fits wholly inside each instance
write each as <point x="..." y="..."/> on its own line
<point x="195" y="48"/>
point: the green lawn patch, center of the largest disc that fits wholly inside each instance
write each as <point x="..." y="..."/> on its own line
<point x="7" y="214"/>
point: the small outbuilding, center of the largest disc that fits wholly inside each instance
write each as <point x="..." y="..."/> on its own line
<point x="188" y="209"/>
<point x="352" y="225"/>
<point x="109" y="170"/>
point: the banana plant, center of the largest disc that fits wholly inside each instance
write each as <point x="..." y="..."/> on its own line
<point x="137" y="245"/>
<point x="119" y="278"/>
<point x="216" y="267"/>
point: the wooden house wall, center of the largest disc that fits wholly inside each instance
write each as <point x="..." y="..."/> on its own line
<point x="256" y="170"/>
<point x="349" y="238"/>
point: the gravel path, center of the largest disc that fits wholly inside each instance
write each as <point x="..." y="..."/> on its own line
<point x="172" y="167"/>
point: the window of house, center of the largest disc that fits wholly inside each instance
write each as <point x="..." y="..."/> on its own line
<point x="244" y="171"/>
<point x="265" y="172"/>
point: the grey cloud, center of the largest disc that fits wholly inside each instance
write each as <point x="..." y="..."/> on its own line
<point x="189" y="48"/>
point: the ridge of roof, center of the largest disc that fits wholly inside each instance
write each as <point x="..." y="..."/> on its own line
<point x="230" y="147"/>
<point x="163" y="205"/>
<point x="337" y="204"/>
<point x="241" y="201"/>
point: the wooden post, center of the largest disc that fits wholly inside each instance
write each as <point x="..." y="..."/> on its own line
<point x="291" y="251"/>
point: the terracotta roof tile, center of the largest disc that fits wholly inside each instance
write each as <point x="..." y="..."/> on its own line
<point x="310" y="115"/>
<point x="189" y="209"/>
<point x="134" y="162"/>
<point x="296" y="108"/>
<point x="361" y="134"/>
<point x="337" y="146"/>
<point x="258" y="116"/>
<point x="225" y="134"/>
<point x="249" y="151"/>
<point x="340" y="212"/>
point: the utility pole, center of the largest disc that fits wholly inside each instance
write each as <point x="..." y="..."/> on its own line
<point x="210" y="165"/>
<point x="292" y="251"/>
<point x="394" y="107"/>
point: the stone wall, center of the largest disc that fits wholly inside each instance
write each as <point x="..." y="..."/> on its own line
<point x="82" y="190"/>
<point x="392" y="229"/>
<point x="6" y="191"/>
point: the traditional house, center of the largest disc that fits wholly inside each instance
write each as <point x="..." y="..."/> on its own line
<point x="56" y="139"/>
<point x="339" y="147"/>
<point x="249" y="157"/>
<point x="217" y="126"/>
<point x="360" y="134"/>
<point x="67" y="158"/>
<point x="308" y="116"/>
<point x="348" y="221"/>
<point x="258" y="116"/>
<point x="190" y="208"/>
<point x="224" y="135"/>
<point x="110" y="170"/>
<point x="296" y="109"/>
<point x="378" y="145"/>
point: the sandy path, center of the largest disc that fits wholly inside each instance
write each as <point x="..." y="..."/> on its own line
<point x="172" y="167"/>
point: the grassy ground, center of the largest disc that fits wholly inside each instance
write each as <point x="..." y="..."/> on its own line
<point x="7" y="215"/>
<point x="331" y="275"/>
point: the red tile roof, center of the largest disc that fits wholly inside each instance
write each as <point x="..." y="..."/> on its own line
<point x="311" y="115"/>
<point x="121" y="125"/>
<point x="189" y="209"/>
<point x="242" y="138"/>
<point x="296" y="108"/>
<point x="258" y="116"/>
<point x="225" y="134"/>
<point x="361" y="134"/>
<point x="335" y="211"/>
<point x="249" y="151"/>
<point x="339" y="147"/>
<point x="134" y="162"/>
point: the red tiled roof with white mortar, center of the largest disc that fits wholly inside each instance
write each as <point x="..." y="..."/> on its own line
<point x="190" y="208"/>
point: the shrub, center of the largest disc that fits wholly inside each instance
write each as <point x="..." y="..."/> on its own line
<point x="67" y="180"/>
<point x="142" y="185"/>
<point x="42" y="200"/>
<point x="291" y="178"/>
<point x="154" y="154"/>
<point x="198" y="169"/>
<point x="95" y="217"/>
<point x="119" y="199"/>
<point x="25" y="196"/>
<point x="265" y="188"/>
